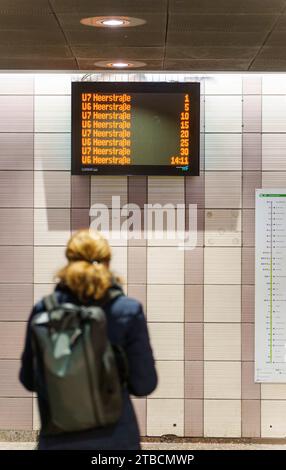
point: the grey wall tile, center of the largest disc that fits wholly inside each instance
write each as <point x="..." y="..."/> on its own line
<point x="16" y="264"/>
<point x="16" y="301"/>
<point x="80" y="191"/>
<point x="251" y="151"/>
<point x="16" y="226"/>
<point x="79" y="219"/>
<point x="16" y="189"/>
<point x="10" y="385"/>
<point x="16" y="113"/>
<point x="16" y="151"/>
<point x="16" y="413"/>
<point x="52" y="151"/>
<point x="16" y="84"/>
<point x="12" y="336"/>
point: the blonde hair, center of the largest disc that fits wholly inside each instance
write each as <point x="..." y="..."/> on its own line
<point x="87" y="273"/>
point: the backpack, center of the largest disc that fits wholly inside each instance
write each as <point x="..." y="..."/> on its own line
<point x="78" y="364"/>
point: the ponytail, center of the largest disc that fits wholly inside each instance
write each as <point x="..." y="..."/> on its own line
<point x="87" y="273"/>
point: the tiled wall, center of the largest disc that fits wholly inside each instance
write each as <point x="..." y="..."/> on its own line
<point x="200" y="303"/>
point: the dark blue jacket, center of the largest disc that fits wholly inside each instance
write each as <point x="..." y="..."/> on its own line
<point x="126" y="327"/>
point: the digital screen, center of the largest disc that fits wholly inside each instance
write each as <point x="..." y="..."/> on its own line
<point x="135" y="128"/>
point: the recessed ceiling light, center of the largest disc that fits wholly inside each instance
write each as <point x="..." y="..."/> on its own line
<point x="112" y="21"/>
<point x="119" y="64"/>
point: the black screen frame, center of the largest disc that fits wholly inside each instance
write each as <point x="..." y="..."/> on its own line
<point x="193" y="88"/>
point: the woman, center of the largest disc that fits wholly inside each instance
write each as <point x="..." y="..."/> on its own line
<point x="87" y="279"/>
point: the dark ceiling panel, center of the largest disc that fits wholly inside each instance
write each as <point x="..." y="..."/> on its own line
<point x="214" y="38"/>
<point x="37" y="52"/>
<point x="210" y="53"/>
<point x="277" y="38"/>
<point x="88" y="64"/>
<point x="27" y="6"/>
<point x="272" y="53"/>
<point x="203" y="65"/>
<point x="281" y="24"/>
<point x="37" y="64"/>
<point x="268" y="65"/>
<point x="109" y="7"/>
<point x="227" y="6"/>
<point x="20" y="22"/>
<point x="116" y="38"/>
<point x="223" y="23"/>
<point x="32" y="38"/>
<point x="105" y="52"/>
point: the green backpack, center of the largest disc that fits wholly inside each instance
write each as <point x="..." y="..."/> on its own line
<point x="79" y="366"/>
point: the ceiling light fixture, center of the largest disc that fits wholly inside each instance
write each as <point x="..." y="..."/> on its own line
<point x="112" y="21"/>
<point x="119" y="64"/>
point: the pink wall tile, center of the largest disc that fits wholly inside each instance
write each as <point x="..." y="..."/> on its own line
<point x="194" y="190"/>
<point x="194" y="349"/>
<point x="251" y="180"/>
<point x="137" y="265"/>
<point x="248" y="227"/>
<point x="248" y="265"/>
<point x="251" y="85"/>
<point x="194" y="379"/>
<point x="194" y="266"/>
<point x="247" y="304"/>
<point x="194" y="303"/>
<point x="252" y="116"/>
<point x="247" y="342"/>
<point x="250" y="389"/>
<point x="138" y="291"/>
<point x="137" y="190"/>
<point x="250" y="418"/>
<point x="194" y="426"/>
<point x="141" y="414"/>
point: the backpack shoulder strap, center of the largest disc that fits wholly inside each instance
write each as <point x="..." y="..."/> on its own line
<point x="51" y="302"/>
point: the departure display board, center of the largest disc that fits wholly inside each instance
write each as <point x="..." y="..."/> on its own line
<point x="135" y="128"/>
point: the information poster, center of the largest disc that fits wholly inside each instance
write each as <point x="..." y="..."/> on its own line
<point x="270" y="286"/>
